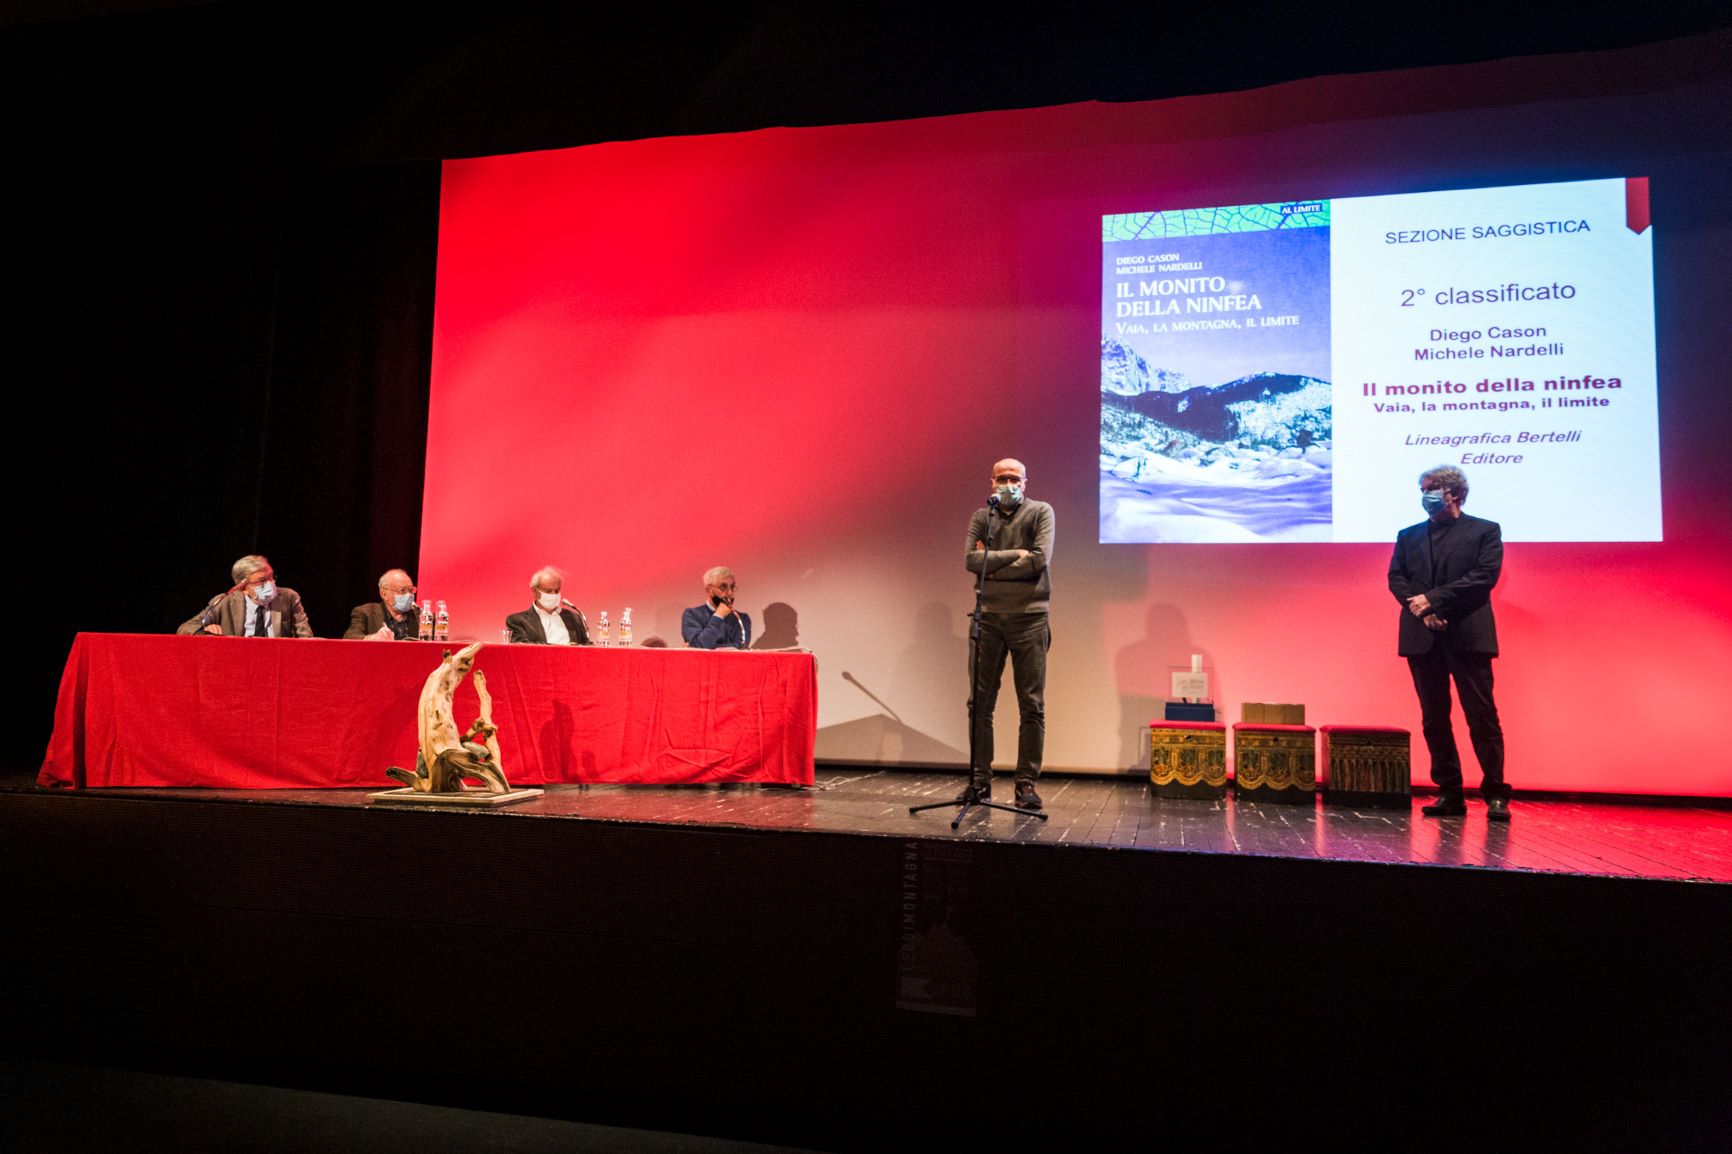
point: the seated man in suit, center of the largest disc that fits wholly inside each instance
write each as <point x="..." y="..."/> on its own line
<point x="717" y="624"/>
<point x="545" y="622"/>
<point x="255" y="607"/>
<point x="393" y="617"/>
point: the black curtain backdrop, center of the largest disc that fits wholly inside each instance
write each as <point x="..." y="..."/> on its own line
<point x="221" y="230"/>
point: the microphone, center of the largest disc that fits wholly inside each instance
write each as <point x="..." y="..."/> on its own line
<point x="239" y="585"/>
<point x="204" y="618"/>
<point x="738" y="620"/>
<point x="855" y="682"/>
<point x="581" y="619"/>
<point x="992" y="501"/>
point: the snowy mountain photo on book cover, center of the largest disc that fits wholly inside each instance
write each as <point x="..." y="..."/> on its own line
<point x="1216" y="394"/>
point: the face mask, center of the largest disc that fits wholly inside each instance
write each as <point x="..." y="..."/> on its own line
<point x="403" y="602"/>
<point x="265" y="592"/>
<point x="1432" y="500"/>
<point x="548" y="601"/>
<point x="1010" y="494"/>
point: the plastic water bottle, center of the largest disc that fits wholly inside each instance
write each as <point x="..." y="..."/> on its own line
<point x="424" y="629"/>
<point x="604" y="632"/>
<point x="625" y="627"/>
<point x="442" y="624"/>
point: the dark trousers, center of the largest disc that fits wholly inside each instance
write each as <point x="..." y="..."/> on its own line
<point x="1472" y="672"/>
<point x="1024" y="638"/>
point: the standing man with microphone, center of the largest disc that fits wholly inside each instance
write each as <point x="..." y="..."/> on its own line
<point x="1012" y="540"/>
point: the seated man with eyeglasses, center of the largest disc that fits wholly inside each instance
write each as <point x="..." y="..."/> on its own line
<point x="716" y="624"/>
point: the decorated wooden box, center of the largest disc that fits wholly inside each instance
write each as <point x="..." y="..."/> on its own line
<point x="1275" y="762"/>
<point x="1366" y="765"/>
<point x="1188" y="758"/>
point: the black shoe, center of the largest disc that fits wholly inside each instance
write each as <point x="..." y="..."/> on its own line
<point x="1026" y="798"/>
<point x="1497" y="809"/>
<point x="975" y="792"/>
<point x="1445" y="807"/>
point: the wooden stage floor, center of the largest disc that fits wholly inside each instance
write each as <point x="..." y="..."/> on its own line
<point x="818" y="967"/>
<point x="1684" y="842"/>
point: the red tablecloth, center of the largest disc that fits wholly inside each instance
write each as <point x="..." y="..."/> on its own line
<point x="260" y="713"/>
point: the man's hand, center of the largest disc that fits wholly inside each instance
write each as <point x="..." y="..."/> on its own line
<point x="725" y="609"/>
<point x="1434" y="623"/>
<point x="980" y="546"/>
<point x="383" y="633"/>
<point x="214" y="630"/>
<point x="1418" y="605"/>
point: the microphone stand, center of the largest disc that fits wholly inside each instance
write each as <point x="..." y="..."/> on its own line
<point x="581" y="620"/>
<point x="204" y="618"/>
<point x="971" y="796"/>
<point x="742" y="623"/>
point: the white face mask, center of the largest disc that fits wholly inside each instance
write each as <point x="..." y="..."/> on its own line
<point x="548" y="601"/>
<point x="265" y="592"/>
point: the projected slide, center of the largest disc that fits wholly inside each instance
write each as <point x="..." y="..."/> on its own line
<point x="1284" y="372"/>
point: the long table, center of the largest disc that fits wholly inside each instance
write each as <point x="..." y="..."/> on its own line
<point x="266" y="713"/>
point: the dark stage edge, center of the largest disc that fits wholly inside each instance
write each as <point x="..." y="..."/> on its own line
<point x="818" y="968"/>
<point x="1682" y="842"/>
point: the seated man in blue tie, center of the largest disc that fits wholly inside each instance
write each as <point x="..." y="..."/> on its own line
<point x="717" y="624"/>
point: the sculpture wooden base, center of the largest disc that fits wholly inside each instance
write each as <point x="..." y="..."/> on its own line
<point x="468" y="799"/>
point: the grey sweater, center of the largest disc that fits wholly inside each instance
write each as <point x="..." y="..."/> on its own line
<point x="1014" y="585"/>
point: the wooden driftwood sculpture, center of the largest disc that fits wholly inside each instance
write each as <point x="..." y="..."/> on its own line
<point x="445" y="759"/>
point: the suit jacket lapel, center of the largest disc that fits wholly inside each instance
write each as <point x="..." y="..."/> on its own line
<point x="1425" y="567"/>
<point x="535" y="620"/>
<point x="1450" y="545"/>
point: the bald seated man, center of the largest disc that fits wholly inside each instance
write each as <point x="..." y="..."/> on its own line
<point x="393" y="617"/>
<point x="1011" y="540"/>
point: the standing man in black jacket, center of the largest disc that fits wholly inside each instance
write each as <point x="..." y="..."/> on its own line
<point x="1013" y="623"/>
<point x="1442" y="573"/>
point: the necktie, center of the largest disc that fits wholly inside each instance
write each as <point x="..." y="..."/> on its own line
<point x="262" y="623"/>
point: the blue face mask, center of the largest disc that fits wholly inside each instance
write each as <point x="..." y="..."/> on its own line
<point x="1431" y="500"/>
<point x="265" y="592"/>
<point x="1010" y="494"/>
<point x="403" y="602"/>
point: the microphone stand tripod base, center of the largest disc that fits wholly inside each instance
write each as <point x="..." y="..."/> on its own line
<point x="972" y="799"/>
<point x="971" y="796"/>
